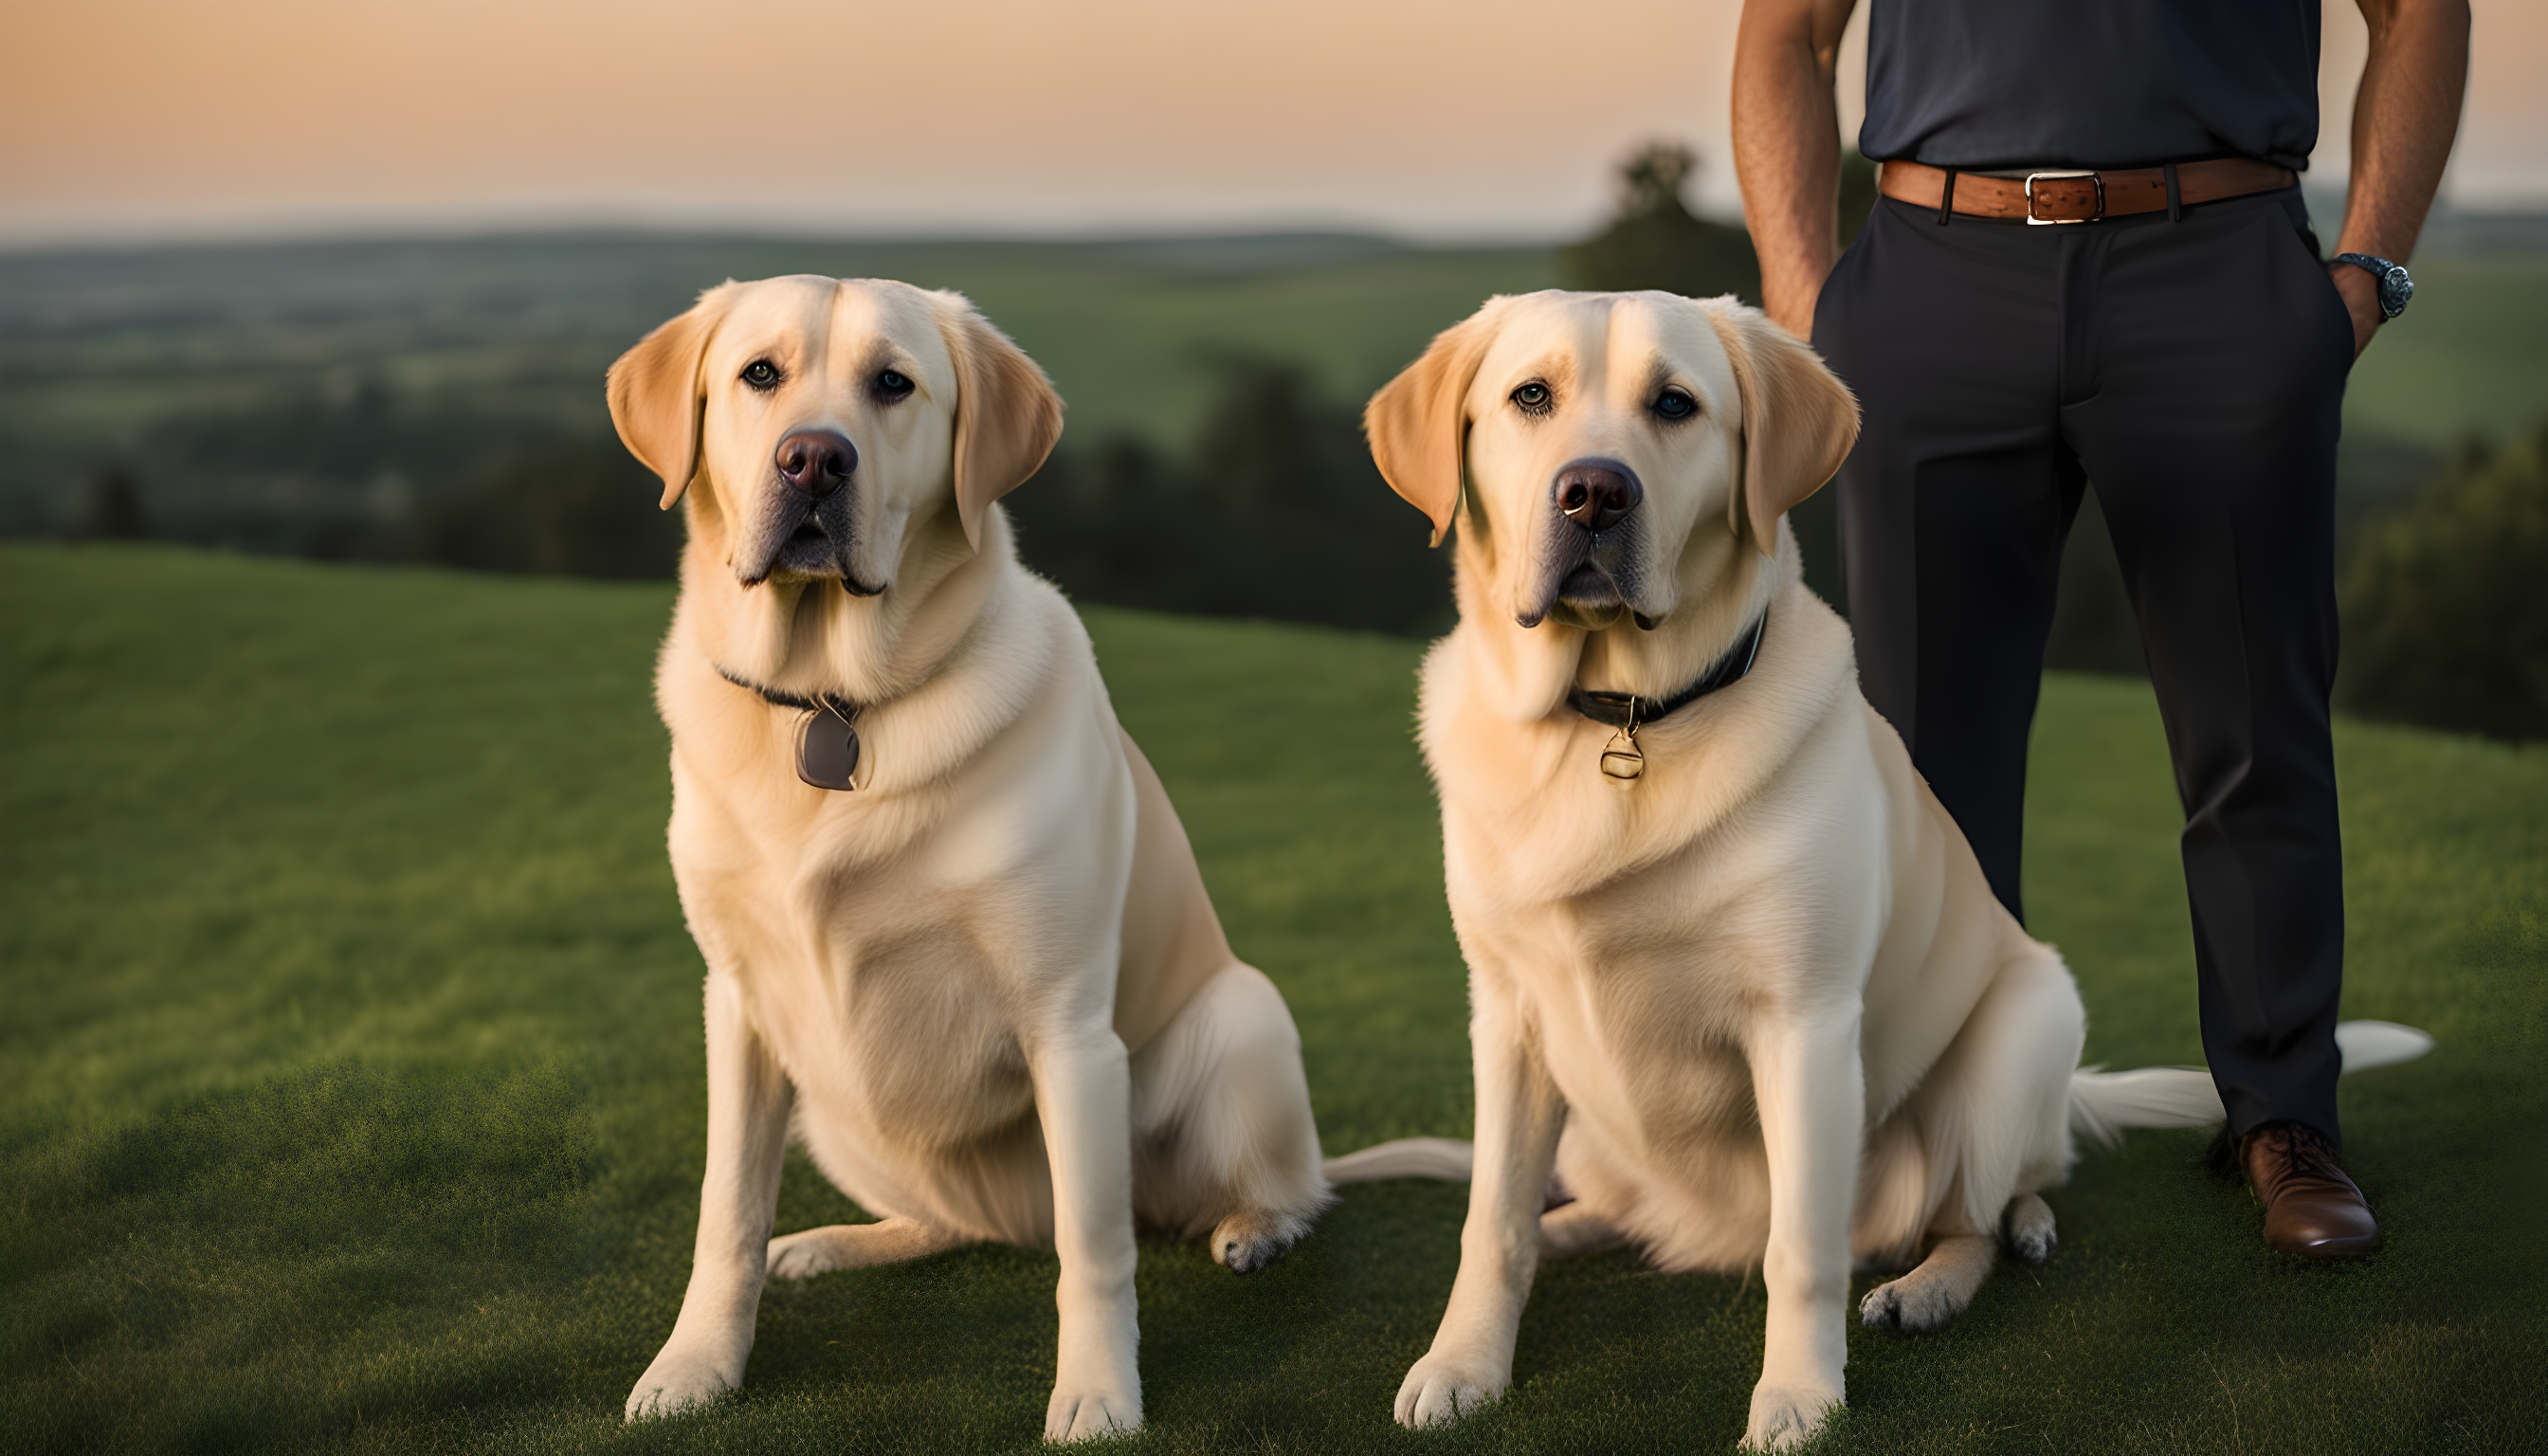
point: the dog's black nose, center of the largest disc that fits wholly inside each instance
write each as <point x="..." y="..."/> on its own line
<point x="817" y="460"/>
<point x="1597" y="494"/>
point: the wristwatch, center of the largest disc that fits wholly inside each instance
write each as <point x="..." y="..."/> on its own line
<point x="2396" y="287"/>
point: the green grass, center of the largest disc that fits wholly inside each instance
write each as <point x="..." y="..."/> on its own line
<point x="352" y="1086"/>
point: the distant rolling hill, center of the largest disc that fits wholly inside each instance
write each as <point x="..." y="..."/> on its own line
<point x="490" y="339"/>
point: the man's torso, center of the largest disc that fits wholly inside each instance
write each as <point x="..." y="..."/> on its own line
<point x="1983" y="84"/>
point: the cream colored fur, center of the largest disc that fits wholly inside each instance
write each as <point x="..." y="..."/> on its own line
<point x="985" y="988"/>
<point x="1756" y="1007"/>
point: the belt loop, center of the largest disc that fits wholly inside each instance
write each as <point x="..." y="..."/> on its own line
<point x="1946" y="198"/>
<point x="2175" y="207"/>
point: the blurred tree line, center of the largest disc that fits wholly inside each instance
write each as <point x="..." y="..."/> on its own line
<point x="353" y="479"/>
<point x="1654" y="240"/>
<point x="576" y="507"/>
<point x="1277" y="511"/>
<point x="2445" y="623"/>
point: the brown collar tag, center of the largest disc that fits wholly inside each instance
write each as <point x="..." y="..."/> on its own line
<point x="1621" y="758"/>
<point x="827" y="748"/>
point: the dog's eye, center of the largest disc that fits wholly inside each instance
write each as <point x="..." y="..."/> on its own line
<point x="1676" y="404"/>
<point x="760" y="374"/>
<point x="891" y="386"/>
<point x="1533" y="398"/>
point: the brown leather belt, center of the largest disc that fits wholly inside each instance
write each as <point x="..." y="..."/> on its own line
<point x="2079" y="196"/>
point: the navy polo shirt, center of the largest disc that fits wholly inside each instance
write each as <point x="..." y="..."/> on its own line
<point x="1994" y="84"/>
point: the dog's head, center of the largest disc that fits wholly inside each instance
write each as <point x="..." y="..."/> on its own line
<point x="821" y="424"/>
<point x="1608" y="455"/>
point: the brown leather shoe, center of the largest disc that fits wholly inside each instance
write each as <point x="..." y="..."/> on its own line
<point x="2312" y="1209"/>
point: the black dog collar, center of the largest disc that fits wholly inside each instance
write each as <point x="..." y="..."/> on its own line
<point x="827" y="745"/>
<point x="1624" y="760"/>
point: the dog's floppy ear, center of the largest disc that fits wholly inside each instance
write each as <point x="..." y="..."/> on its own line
<point x="1008" y="416"/>
<point x="1798" y="420"/>
<point x="1418" y="426"/>
<point x="656" y="395"/>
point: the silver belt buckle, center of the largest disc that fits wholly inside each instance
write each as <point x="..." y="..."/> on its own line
<point x="2032" y="220"/>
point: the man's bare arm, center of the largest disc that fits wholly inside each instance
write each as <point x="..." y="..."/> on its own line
<point x="2404" y="120"/>
<point x="1786" y="146"/>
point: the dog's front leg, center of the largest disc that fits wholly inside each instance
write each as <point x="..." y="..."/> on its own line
<point x="1084" y="1096"/>
<point x="748" y="1101"/>
<point x="1808" y="1081"/>
<point x="1520" y="1114"/>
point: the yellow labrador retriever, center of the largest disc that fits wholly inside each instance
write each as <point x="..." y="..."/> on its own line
<point x="1736" y="978"/>
<point x="952" y="928"/>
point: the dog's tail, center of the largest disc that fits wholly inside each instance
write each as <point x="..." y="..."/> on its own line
<point x="2104" y="1104"/>
<point x="1446" y="1158"/>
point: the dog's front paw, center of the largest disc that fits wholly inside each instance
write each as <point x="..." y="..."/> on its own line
<point x="1078" y="1414"/>
<point x="680" y="1380"/>
<point x="1784" y="1418"/>
<point x="1909" y="1305"/>
<point x="2025" y="1229"/>
<point x="804" y="1255"/>
<point x="1251" y="1239"/>
<point x="1441" y="1390"/>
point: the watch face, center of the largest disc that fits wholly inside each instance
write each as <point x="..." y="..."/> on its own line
<point x="2396" y="287"/>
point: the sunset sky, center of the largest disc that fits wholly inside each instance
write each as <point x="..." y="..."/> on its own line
<point x="1441" y="119"/>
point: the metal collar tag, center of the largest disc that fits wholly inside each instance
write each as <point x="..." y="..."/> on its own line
<point x="827" y="748"/>
<point x="1624" y="760"/>
<point x="827" y="735"/>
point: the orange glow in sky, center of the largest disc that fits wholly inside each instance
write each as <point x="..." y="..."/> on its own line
<point x="1430" y="117"/>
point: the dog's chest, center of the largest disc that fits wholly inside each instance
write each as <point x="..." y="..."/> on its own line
<point x="1644" y="993"/>
<point x="897" y="1031"/>
<point x="1652" y="1051"/>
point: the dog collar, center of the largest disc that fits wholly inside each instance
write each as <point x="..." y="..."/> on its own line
<point x="827" y="745"/>
<point x="1622" y="758"/>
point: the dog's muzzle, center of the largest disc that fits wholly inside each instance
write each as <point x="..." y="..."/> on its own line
<point x="807" y="520"/>
<point x="1586" y="561"/>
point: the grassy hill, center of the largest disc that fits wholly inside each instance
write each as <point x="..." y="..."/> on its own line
<point x="351" y="1094"/>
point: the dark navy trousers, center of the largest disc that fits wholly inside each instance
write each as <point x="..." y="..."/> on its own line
<point x="2195" y="371"/>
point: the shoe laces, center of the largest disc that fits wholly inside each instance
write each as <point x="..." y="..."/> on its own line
<point x="2297" y="1154"/>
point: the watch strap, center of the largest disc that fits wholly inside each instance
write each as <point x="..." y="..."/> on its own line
<point x="2396" y="285"/>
